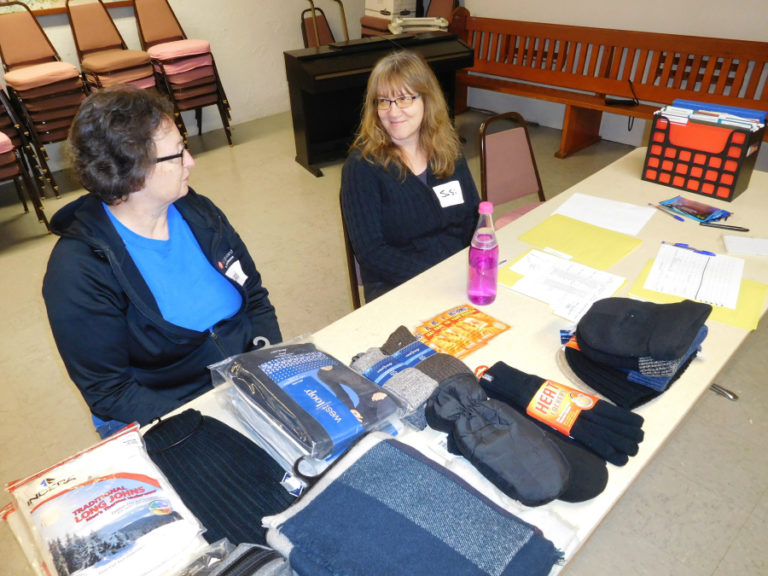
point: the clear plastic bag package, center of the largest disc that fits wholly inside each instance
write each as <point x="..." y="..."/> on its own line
<point x="106" y="511"/>
<point x="301" y="403"/>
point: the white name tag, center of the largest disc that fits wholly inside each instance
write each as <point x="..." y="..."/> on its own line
<point x="449" y="194"/>
<point x="235" y="272"/>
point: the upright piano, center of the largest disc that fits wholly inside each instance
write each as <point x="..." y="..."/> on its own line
<point x="327" y="86"/>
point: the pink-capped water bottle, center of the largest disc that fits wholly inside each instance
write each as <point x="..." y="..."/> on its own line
<point x="483" y="259"/>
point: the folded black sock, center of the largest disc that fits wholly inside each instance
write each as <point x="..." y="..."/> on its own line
<point x="227" y="481"/>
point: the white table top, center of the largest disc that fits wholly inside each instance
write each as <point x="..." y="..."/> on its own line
<point x="532" y="342"/>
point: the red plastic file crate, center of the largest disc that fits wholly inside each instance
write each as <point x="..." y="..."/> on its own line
<point x="714" y="160"/>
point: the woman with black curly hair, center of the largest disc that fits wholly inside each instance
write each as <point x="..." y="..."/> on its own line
<point x="148" y="283"/>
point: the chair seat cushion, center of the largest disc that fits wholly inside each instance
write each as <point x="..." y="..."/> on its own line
<point x="192" y="76"/>
<point x="179" y="49"/>
<point x="40" y="75"/>
<point x="181" y="65"/>
<point x="5" y="143"/>
<point x="143" y="76"/>
<point x="112" y="60"/>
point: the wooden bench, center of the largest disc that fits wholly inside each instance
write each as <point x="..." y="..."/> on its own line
<point x="581" y="66"/>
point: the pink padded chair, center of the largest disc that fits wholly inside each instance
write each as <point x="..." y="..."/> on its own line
<point x="45" y="92"/>
<point x="104" y="56"/>
<point x="14" y="163"/>
<point x="507" y="165"/>
<point x="185" y="67"/>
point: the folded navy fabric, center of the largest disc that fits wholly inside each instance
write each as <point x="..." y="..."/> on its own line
<point x="384" y="508"/>
<point x="612" y="382"/>
<point x="631" y="328"/>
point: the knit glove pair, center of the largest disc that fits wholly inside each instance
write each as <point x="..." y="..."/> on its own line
<point x="611" y="432"/>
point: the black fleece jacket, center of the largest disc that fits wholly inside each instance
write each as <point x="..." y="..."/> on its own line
<point x="128" y="362"/>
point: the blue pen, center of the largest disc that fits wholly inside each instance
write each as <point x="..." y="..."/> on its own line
<point x="666" y="211"/>
<point x="691" y="248"/>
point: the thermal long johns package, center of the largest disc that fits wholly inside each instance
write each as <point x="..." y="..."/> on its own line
<point x="314" y="405"/>
<point x="107" y="511"/>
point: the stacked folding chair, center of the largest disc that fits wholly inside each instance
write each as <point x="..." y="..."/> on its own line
<point x="14" y="159"/>
<point x="44" y="91"/>
<point x="104" y="56"/>
<point x="185" y="67"/>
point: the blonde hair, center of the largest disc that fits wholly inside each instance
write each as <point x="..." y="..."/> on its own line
<point x="407" y="72"/>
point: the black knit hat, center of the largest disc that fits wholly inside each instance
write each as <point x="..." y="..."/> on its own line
<point x="226" y="480"/>
<point x="631" y="328"/>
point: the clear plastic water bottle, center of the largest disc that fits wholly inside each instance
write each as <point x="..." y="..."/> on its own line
<point x="483" y="259"/>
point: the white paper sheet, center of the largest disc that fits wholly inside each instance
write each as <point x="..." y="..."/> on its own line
<point x="618" y="216"/>
<point x="746" y="246"/>
<point x="568" y="287"/>
<point x="712" y="279"/>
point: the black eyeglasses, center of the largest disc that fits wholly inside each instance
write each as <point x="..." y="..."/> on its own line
<point x="401" y="102"/>
<point x="171" y="157"/>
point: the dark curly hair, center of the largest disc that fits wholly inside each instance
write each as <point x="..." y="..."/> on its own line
<point x="111" y="140"/>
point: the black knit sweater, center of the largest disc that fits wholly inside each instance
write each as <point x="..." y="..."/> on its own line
<point x="398" y="228"/>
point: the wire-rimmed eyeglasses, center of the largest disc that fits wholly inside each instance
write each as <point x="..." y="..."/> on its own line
<point x="171" y="157"/>
<point x="401" y="102"/>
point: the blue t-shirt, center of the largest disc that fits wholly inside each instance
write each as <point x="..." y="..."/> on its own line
<point x="189" y="291"/>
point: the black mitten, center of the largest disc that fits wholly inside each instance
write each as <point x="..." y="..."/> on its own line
<point x="611" y="432"/>
<point x="511" y="452"/>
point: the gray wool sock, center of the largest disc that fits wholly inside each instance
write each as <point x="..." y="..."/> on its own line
<point x="412" y="387"/>
<point x="361" y="362"/>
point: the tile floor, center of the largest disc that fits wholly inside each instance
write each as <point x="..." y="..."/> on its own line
<point x="700" y="508"/>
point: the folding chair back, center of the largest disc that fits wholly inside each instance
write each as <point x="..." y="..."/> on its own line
<point x="315" y="29"/>
<point x="507" y="164"/>
<point x="353" y="268"/>
<point x="93" y="28"/>
<point x="157" y="23"/>
<point x="22" y="40"/>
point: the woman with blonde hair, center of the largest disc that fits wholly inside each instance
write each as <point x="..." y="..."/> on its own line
<point x="407" y="194"/>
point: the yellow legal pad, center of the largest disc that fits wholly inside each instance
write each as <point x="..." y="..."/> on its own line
<point x="746" y="315"/>
<point x="587" y="244"/>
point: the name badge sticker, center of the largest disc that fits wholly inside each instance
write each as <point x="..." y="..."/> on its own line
<point x="449" y="194"/>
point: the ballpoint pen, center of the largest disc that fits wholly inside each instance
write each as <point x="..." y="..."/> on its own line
<point x="689" y="247"/>
<point x="667" y="211"/>
<point x="724" y="226"/>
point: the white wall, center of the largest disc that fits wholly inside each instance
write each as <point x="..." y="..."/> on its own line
<point x="740" y="19"/>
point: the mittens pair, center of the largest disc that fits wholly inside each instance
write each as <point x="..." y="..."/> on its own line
<point x="525" y="462"/>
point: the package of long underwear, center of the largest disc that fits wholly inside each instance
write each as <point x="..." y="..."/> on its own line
<point x="106" y="511"/>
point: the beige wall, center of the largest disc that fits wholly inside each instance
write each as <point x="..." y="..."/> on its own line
<point x="742" y="19"/>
